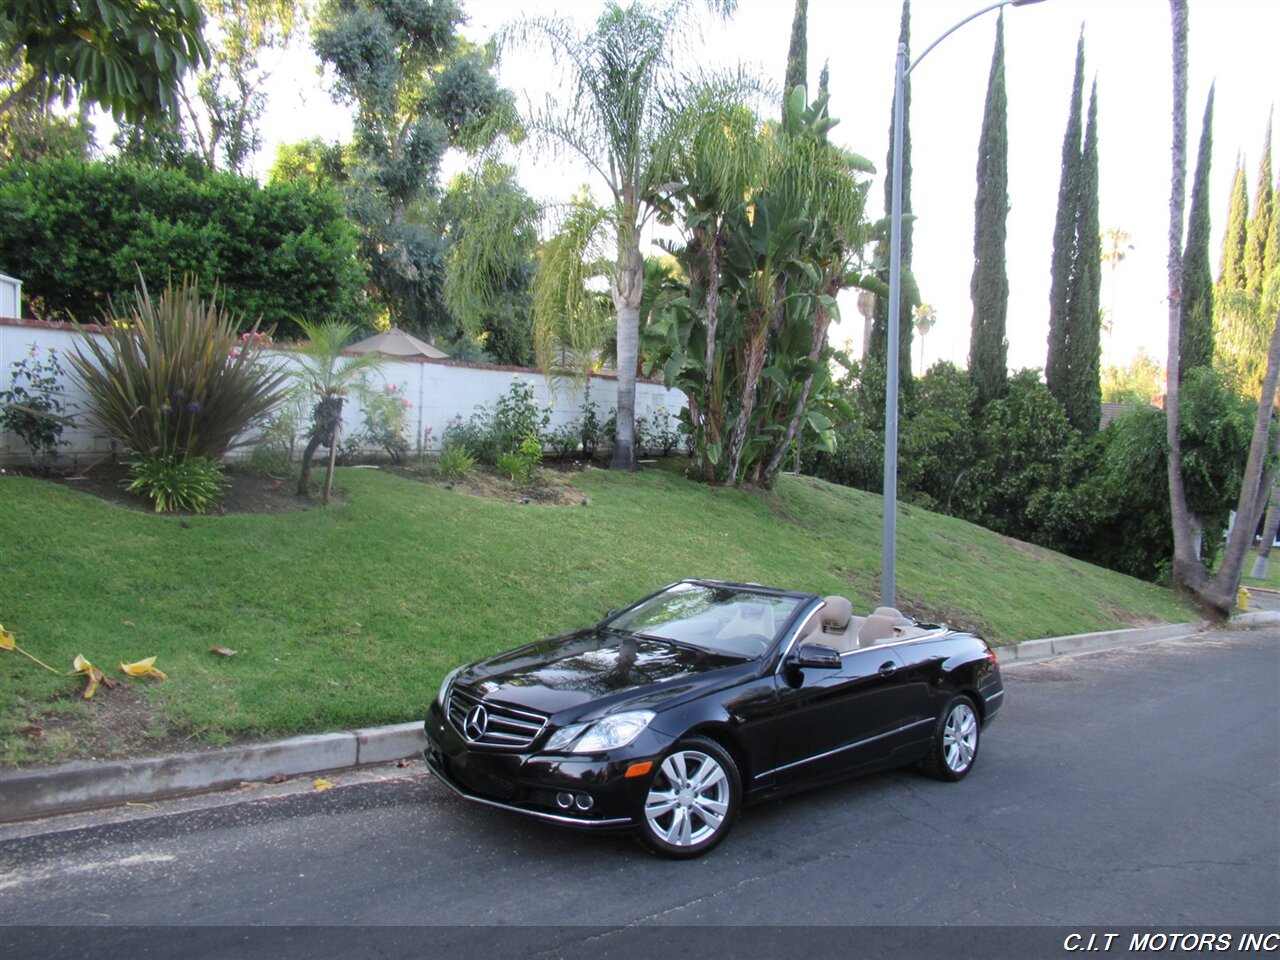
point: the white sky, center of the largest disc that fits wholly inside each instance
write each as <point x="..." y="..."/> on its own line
<point x="1127" y="48"/>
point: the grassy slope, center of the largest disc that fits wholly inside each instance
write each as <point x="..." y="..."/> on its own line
<point x="350" y="616"/>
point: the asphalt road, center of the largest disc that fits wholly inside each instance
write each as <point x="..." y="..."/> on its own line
<point x="1139" y="786"/>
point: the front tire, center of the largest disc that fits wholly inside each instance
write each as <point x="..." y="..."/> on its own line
<point x="692" y="801"/>
<point x="955" y="741"/>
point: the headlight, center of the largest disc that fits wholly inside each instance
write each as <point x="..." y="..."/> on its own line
<point x="612" y="732"/>
<point x="444" y="686"/>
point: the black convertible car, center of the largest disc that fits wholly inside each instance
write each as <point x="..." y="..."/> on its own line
<point x="666" y="716"/>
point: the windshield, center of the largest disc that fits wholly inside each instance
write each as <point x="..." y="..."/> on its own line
<point x="733" y="620"/>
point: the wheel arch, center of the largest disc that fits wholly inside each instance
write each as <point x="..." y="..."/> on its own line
<point x="726" y="737"/>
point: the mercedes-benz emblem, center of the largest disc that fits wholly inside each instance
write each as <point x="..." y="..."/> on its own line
<point x="476" y="723"/>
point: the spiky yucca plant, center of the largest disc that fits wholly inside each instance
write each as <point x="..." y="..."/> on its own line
<point x="173" y="378"/>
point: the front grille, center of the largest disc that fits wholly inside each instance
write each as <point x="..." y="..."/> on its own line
<point x="506" y="727"/>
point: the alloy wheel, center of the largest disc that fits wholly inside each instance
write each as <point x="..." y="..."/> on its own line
<point x="689" y="799"/>
<point x="960" y="738"/>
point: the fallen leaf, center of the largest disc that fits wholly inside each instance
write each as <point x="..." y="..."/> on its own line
<point x="250" y="784"/>
<point x="94" y="675"/>
<point x="278" y="778"/>
<point x="320" y="783"/>
<point x="33" y="731"/>
<point x="7" y="641"/>
<point x="128" y="623"/>
<point x="145" y="667"/>
<point x="403" y="763"/>
<point x="222" y="651"/>
<point x="132" y="803"/>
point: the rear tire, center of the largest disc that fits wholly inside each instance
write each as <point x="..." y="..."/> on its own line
<point x="955" y="741"/>
<point x="693" y="799"/>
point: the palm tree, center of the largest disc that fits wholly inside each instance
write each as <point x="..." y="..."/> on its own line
<point x="925" y="316"/>
<point x="621" y="81"/>
<point x="1115" y="248"/>
<point x="329" y="376"/>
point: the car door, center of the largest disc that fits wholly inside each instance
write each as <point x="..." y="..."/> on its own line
<point x="830" y="722"/>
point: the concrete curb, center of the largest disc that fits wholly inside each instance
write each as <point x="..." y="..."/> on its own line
<point x="85" y="785"/>
<point x="70" y="787"/>
<point x="1032" y="651"/>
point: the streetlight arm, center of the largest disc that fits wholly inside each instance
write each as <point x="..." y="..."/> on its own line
<point x="995" y="6"/>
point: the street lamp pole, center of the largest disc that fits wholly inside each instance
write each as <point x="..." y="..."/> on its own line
<point x="889" y="543"/>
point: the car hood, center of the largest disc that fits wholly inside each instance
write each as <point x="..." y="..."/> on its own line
<point x="592" y="672"/>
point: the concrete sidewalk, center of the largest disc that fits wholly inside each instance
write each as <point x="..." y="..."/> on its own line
<point x="47" y="791"/>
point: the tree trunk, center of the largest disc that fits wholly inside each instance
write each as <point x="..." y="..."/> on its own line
<point x="1269" y="530"/>
<point x="1220" y="593"/>
<point x="627" y="289"/>
<point x="1188" y="571"/>
<point x="304" y="480"/>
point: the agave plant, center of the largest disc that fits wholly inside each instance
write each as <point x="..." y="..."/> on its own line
<point x="173" y="378"/>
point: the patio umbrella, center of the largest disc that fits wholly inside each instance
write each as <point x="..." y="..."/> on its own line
<point x="396" y="343"/>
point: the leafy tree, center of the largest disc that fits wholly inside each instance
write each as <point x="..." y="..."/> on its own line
<point x="1231" y="270"/>
<point x="80" y="233"/>
<point x="988" y="347"/>
<point x="1026" y="450"/>
<point x="30" y="130"/>
<point x="622" y="80"/>
<point x="1197" y="276"/>
<point x="1256" y="253"/>
<point x="320" y="165"/>
<point x="223" y="113"/>
<point x="494" y="228"/>
<point x="937" y="443"/>
<point x="127" y="56"/>
<point x="1140" y="383"/>
<point x="910" y="294"/>
<point x="418" y="89"/>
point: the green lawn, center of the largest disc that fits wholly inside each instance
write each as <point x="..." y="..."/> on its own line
<point x="350" y="616"/>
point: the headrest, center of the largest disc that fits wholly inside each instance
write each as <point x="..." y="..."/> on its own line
<point x="875" y="628"/>
<point x="899" y="620"/>
<point x="835" y="614"/>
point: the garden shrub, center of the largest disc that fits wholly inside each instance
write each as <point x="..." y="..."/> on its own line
<point x="455" y="462"/>
<point x="175" y="482"/>
<point x="31" y="407"/>
<point x="174" y="379"/>
<point x="386" y="414"/>
<point x="502" y="428"/>
<point x="80" y="232"/>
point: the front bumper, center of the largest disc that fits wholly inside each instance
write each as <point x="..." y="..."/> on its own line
<point x="529" y="783"/>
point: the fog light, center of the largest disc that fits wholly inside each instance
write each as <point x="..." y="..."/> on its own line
<point x="564" y="800"/>
<point x="583" y="801"/>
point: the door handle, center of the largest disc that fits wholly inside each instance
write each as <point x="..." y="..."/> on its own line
<point x="887" y="669"/>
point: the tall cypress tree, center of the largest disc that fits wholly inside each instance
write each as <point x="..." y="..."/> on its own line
<point x="1271" y="261"/>
<point x="1255" y="245"/>
<point x="1196" y="349"/>
<point x="1231" y="272"/>
<point x="910" y="293"/>
<point x="1066" y="251"/>
<point x="989" y="288"/>
<point x="798" y="54"/>
<point x="1084" y="335"/>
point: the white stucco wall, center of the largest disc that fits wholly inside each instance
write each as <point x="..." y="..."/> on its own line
<point x="437" y="390"/>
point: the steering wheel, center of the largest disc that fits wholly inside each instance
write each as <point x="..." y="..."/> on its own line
<point x="747" y="639"/>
